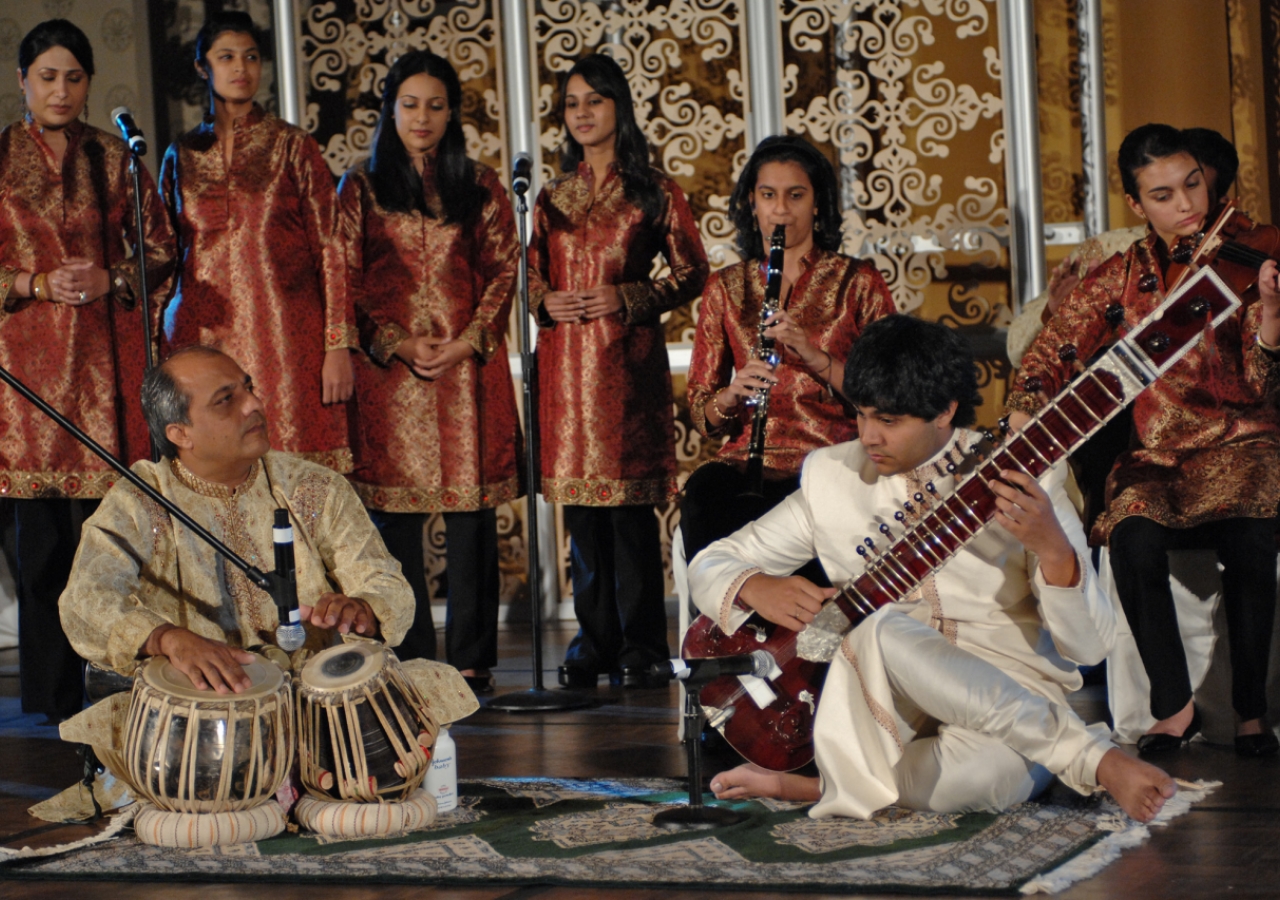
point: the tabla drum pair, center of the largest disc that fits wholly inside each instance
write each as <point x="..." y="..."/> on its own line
<point x="364" y="730"/>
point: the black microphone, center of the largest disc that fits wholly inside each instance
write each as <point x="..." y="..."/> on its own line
<point x="290" y="635"/>
<point x="702" y="671"/>
<point x="523" y="172"/>
<point x="129" y="130"/>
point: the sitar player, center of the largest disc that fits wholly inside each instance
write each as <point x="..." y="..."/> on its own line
<point x="954" y="699"/>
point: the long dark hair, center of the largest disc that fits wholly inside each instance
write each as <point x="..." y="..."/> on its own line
<point x="55" y="33"/>
<point x="227" y="21"/>
<point x="631" y="150"/>
<point x="826" y="193"/>
<point x="396" y="183"/>
<point x="1143" y="146"/>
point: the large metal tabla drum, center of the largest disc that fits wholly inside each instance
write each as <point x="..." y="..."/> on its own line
<point x="364" y="731"/>
<point x="198" y="751"/>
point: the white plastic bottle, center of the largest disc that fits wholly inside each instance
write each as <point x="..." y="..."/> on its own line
<point x="442" y="777"/>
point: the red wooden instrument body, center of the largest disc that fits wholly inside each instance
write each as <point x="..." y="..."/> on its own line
<point x="779" y="736"/>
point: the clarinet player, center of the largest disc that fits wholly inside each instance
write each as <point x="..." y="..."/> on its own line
<point x="826" y="301"/>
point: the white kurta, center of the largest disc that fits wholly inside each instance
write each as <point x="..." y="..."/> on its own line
<point x="977" y="662"/>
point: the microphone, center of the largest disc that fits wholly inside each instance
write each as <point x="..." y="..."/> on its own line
<point x="701" y="671"/>
<point x="129" y="130"/>
<point x="290" y="634"/>
<point x="523" y="172"/>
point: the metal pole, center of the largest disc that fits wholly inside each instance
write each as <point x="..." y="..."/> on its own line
<point x="1093" y="118"/>
<point x="523" y="133"/>
<point x="1022" y="140"/>
<point x="286" y="28"/>
<point x="140" y="253"/>
<point x="766" y="110"/>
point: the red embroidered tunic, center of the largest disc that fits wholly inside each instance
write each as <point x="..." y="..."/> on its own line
<point x="262" y="275"/>
<point x="451" y="444"/>
<point x="834" y="299"/>
<point x="1209" y="433"/>
<point x="604" y="406"/>
<point x="86" y="361"/>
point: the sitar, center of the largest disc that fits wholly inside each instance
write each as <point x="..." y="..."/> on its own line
<point x="770" y="720"/>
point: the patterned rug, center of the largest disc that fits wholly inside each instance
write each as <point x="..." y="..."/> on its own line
<point x="601" y="833"/>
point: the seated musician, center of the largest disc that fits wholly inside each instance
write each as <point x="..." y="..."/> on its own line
<point x="826" y="300"/>
<point x="953" y="699"/>
<point x="142" y="585"/>
<point x="1205" y="470"/>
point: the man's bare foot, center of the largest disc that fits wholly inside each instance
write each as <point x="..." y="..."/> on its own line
<point x="1139" y="787"/>
<point x="750" y="780"/>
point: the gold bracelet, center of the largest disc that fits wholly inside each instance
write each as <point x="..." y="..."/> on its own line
<point x="40" y="287"/>
<point x="715" y="401"/>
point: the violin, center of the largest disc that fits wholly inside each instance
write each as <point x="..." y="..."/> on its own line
<point x="1235" y="247"/>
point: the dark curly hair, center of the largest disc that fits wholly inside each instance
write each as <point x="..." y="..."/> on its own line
<point x="826" y="193"/>
<point x="1143" y="146"/>
<point x="396" y="183"/>
<point x="55" y="33"/>
<point x="902" y="365"/>
<point x="631" y="149"/>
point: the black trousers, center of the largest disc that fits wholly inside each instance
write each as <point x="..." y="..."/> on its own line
<point x="619" y="590"/>
<point x="471" y="568"/>
<point x="51" y="673"/>
<point x="1140" y="562"/>
<point x="716" y="504"/>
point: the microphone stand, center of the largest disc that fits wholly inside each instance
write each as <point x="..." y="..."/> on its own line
<point x="274" y="583"/>
<point x="144" y="302"/>
<point x="537" y="698"/>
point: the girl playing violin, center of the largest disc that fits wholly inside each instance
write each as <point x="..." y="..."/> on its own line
<point x="1203" y="470"/>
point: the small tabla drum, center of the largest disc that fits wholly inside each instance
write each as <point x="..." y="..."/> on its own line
<point x="198" y="751"/>
<point x="364" y="731"/>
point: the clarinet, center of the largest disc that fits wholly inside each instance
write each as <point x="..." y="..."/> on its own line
<point x="765" y="350"/>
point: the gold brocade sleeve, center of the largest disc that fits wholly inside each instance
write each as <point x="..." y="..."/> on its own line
<point x="540" y="259"/>
<point x="498" y="266"/>
<point x="103" y="610"/>
<point x="358" y="562"/>
<point x="712" y="365"/>
<point x="645" y="301"/>
<point x="1081" y="321"/>
<point x="161" y="250"/>
<point x="320" y="221"/>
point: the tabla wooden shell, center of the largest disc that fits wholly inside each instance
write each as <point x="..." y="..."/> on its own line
<point x="364" y="731"/>
<point x="196" y="751"/>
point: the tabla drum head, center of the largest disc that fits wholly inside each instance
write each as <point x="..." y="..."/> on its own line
<point x="264" y="675"/>
<point x="344" y="666"/>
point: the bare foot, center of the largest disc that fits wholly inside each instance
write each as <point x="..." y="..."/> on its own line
<point x="750" y="780"/>
<point x="1139" y="787"/>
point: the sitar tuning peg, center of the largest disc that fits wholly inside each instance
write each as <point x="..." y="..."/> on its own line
<point x="933" y="491"/>
<point x="884" y="529"/>
<point x="951" y="468"/>
<point x="900" y="515"/>
<point x="1003" y="424"/>
<point x="1115" y="312"/>
<point x="1148" y="283"/>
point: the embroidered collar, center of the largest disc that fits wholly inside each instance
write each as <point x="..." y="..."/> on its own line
<point x="205" y="488"/>
<point x="936" y="466"/>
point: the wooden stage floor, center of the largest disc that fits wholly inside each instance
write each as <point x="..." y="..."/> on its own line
<point x="1229" y="845"/>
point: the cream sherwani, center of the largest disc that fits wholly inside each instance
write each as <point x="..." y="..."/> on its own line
<point x="955" y="698"/>
<point x="138" y="568"/>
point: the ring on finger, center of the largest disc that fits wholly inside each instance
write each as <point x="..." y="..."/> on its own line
<point x="82" y="296"/>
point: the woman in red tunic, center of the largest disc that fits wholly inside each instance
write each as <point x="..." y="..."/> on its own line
<point x="827" y="300"/>
<point x="433" y="261"/>
<point x="607" y="432"/>
<point x="262" y="274"/>
<point x="66" y="284"/>
<point x="1205" y="471"/>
